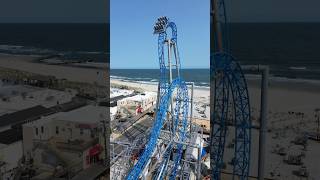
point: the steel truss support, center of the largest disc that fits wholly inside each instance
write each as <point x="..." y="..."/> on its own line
<point x="179" y="106"/>
<point x="230" y="95"/>
<point x="230" y="84"/>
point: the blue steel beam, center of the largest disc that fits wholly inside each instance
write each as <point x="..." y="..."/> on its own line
<point x="228" y="77"/>
<point x="166" y="92"/>
<point x="155" y="132"/>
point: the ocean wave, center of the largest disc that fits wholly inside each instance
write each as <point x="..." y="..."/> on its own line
<point x="300" y="68"/>
<point x="95" y="56"/>
<point x="138" y="79"/>
<point x="92" y="52"/>
<point x="117" y="77"/>
<point x="282" y="79"/>
<point x="9" y="47"/>
<point x="16" y="49"/>
<point x="296" y="80"/>
<point x="140" y="82"/>
<point x="202" y="87"/>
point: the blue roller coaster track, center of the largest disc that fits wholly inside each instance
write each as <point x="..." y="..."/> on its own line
<point x="230" y="95"/>
<point x="179" y="117"/>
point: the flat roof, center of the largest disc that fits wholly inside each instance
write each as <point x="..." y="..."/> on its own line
<point x="85" y="114"/>
<point x="141" y="97"/>
<point x="10" y="136"/>
<point x="23" y="115"/>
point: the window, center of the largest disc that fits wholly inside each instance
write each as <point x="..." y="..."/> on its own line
<point x="57" y="129"/>
<point x="81" y="131"/>
<point x="42" y="129"/>
<point x="92" y="134"/>
<point x="37" y="131"/>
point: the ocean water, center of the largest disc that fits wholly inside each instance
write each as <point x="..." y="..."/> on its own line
<point x="199" y="76"/>
<point x="69" y="41"/>
<point x="290" y="49"/>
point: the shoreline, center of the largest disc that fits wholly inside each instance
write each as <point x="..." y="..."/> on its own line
<point x="26" y="63"/>
<point x="310" y="85"/>
<point x="252" y="79"/>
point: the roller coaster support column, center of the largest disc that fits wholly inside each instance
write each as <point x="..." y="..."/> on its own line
<point x="191" y="105"/>
<point x="177" y="58"/>
<point x="263" y="115"/>
<point x="217" y="25"/>
<point x="199" y="164"/>
<point x="169" y="60"/>
<point x="263" y="122"/>
<point x="199" y="157"/>
<point x="168" y="41"/>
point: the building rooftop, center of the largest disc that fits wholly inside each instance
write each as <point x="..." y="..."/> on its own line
<point x="141" y="96"/>
<point x="10" y="136"/>
<point x="86" y="114"/>
<point x="18" y="97"/>
<point x="20" y="117"/>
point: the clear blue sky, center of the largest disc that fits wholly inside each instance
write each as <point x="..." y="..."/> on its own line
<point x="133" y="44"/>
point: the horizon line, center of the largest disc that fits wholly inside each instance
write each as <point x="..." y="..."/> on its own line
<point x="158" y="68"/>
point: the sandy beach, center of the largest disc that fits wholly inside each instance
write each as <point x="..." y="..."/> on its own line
<point x="298" y="96"/>
<point x="72" y="73"/>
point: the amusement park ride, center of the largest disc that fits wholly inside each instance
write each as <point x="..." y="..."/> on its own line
<point x="230" y="100"/>
<point x="172" y="137"/>
<point x="177" y="117"/>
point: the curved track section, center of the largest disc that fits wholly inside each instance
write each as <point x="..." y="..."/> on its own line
<point x="230" y="95"/>
<point x="167" y="91"/>
<point x="230" y="88"/>
<point x="159" y="121"/>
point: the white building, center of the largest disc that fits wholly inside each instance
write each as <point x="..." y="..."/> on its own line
<point x="144" y="100"/>
<point x="67" y="138"/>
<point x="113" y="112"/>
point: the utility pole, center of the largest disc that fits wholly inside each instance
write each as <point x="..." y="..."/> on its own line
<point x="317" y="115"/>
<point x="104" y="131"/>
<point x="264" y="70"/>
<point x="170" y="81"/>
